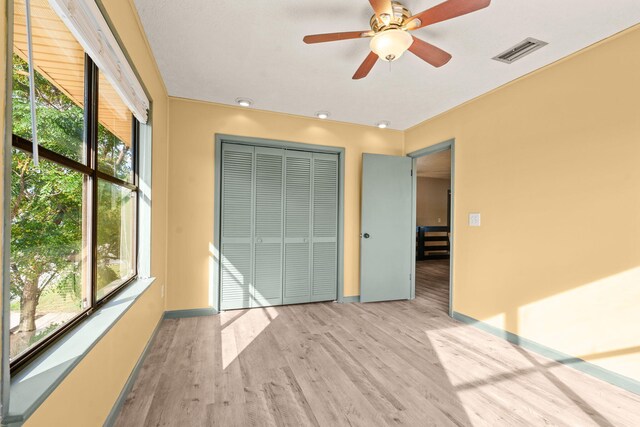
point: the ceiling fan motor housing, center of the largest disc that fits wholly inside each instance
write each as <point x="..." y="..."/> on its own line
<point x="400" y="15"/>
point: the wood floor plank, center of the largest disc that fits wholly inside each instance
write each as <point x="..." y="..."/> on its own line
<point x="141" y="395"/>
<point x="339" y="389"/>
<point x="401" y="363"/>
<point x="299" y="396"/>
<point x="257" y="409"/>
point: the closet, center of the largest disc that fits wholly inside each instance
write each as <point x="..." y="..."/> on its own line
<point x="279" y="226"/>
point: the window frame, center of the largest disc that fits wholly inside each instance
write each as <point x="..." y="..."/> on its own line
<point x="89" y="169"/>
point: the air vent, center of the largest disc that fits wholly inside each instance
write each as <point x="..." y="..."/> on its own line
<point x="520" y="50"/>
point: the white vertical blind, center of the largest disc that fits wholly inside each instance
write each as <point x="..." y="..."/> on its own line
<point x="85" y="21"/>
<point x="32" y="85"/>
<point x="144" y="202"/>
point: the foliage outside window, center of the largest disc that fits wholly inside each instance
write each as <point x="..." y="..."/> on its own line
<point x="73" y="219"/>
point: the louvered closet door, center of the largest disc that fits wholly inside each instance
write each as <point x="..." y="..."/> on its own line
<point x="279" y="227"/>
<point x="269" y="192"/>
<point x="324" y="251"/>
<point x="236" y="240"/>
<point x="297" y="228"/>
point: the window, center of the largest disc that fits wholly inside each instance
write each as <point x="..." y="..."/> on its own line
<point x="74" y="218"/>
<point x="48" y="250"/>
<point x="116" y="219"/>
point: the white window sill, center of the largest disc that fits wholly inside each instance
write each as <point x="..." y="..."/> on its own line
<point x="35" y="382"/>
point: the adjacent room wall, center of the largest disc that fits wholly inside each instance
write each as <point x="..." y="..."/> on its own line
<point x="86" y="396"/>
<point x="193" y="126"/>
<point x="431" y="201"/>
<point x="551" y="163"/>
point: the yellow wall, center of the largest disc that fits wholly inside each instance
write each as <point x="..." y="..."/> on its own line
<point x="88" y="393"/>
<point x="91" y="389"/>
<point x="551" y="162"/>
<point x="193" y="126"/>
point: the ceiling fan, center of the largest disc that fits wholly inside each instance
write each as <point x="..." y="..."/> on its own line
<point x="390" y="26"/>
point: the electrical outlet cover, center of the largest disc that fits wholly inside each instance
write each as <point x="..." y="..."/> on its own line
<point x="474" y="219"/>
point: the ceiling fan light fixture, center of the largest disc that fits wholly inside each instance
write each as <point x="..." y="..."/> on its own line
<point x="322" y="115"/>
<point x="244" y="102"/>
<point x="389" y="45"/>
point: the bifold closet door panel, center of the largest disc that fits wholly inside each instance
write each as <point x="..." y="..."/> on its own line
<point x="324" y="257"/>
<point x="236" y="240"/>
<point x="279" y="226"/>
<point x="268" y="244"/>
<point x="297" y="228"/>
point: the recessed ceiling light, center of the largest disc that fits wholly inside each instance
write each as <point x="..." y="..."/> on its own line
<point x="322" y="115"/>
<point x="244" y="102"/>
<point x="383" y="125"/>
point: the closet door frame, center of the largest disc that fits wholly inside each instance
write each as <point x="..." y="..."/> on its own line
<point x="215" y="261"/>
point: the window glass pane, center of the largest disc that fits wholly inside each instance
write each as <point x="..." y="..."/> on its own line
<point x="116" y="231"/>
<point x="115" y="154"/>
<point x="59" y="74"/>
<point x="49" y="250"/>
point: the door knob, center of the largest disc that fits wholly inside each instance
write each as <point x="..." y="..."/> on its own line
<point x="366" y="235"/>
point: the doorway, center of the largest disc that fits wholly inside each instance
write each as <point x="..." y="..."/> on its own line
<point x="433" y="214"/>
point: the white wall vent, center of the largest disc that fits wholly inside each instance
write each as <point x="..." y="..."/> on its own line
<point x="520" y="50"/>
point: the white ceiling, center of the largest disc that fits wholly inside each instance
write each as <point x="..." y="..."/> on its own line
<point x="219" y="50"/>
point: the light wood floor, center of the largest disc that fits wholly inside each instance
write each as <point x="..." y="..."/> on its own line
<point x="432" y="282"/>
<point x="329" y="364"/>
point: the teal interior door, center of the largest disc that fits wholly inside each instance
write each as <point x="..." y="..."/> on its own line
<point x="386" y="228"/>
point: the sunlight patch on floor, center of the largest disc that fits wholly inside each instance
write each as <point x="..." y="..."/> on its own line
<point x="454" y="356"/>
<point x="241" y="330"/>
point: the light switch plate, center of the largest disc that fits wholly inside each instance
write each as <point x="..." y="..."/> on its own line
<point x="474" y="219"/>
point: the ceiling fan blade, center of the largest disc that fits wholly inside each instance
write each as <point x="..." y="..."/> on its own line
<point x="447" y="10"/>
<point x="382" y="7"/>
<point x="366" y="66"/>
<point x="331" y="37"/>
<point x="429" y="53"/>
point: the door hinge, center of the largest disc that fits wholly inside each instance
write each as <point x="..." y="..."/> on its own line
<point x="411" y="172"/>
